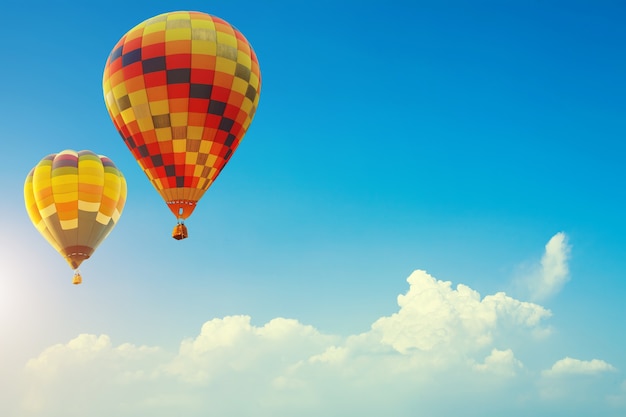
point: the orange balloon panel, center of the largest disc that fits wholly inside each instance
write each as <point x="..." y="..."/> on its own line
<point x="74" y="199"/>
<point x="182" y="89"/>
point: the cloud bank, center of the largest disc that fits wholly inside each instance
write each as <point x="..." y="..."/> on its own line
<point x="447" y="350"/>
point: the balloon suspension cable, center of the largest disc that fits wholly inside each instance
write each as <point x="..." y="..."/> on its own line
<point x="77" y="278"/>
<point x="180" y="230"/>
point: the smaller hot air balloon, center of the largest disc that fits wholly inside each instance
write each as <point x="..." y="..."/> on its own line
<point x="74" y="199"/>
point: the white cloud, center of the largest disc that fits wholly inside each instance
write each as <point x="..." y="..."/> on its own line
<point x="570" y="366"/>
<point x="578" y="383"/>
<point x="233" y="344"/>
<point x="500" y="362"/>
<point x="88" y="349"/>
<point x="72" y="377"/>
<point x="545" y="280"/>
<point x="433" y="316"/>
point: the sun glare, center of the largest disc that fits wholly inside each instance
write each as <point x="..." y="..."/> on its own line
<point x="9" y="290"/>
<point x="16" y="289"/>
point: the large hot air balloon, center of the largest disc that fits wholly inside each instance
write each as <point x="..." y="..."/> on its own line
<point x="182" y="89"/>
<point x="75" y="199"/>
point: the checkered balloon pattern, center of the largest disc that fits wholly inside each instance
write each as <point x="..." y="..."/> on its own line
<point x="74" y="199"/>
<point x="182" y="89"/>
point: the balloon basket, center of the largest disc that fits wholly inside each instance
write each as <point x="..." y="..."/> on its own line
<point x="77" y="278"/>
<point x="180" y="232"/>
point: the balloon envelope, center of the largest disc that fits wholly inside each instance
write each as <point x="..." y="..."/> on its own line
<point x="182" y="89"/>
<point x="74" y="199"/>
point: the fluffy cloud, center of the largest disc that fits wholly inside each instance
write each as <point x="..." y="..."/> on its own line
<point x="232" y="344"/>
<point x="500" y="362"/>
<point x="577" y="383"/>
<point x="570" y="366"/>
<point x="547" y="279"/>
<point x="83" y="369"/>
<point x="433" y="316"/>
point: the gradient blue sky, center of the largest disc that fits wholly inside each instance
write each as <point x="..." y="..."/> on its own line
<point x="479" y="141"/>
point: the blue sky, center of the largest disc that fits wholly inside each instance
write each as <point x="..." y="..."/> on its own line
<point x="429" y="198"/>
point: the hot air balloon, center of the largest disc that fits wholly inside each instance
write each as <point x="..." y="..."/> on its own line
<point x="75" y="199"/>
<point x="182" y="89"/>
